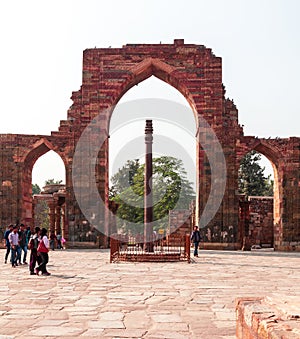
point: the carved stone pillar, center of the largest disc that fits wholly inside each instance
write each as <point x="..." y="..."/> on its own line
<point x="64" y="231"/>
<point x="57" y="219"/>
<point x="51" y="205"/>
<point x="34" y="203"/>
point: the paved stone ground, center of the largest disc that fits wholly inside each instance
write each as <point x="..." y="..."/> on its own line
<point x="88" y="297"/>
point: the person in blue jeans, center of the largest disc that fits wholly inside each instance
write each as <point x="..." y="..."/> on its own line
<point x="14" y="245"/>
<point x="23" y="244"/>
<point x="195" y="238"/>
<point x="7" y="243"/>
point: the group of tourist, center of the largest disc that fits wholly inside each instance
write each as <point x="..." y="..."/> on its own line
<point x="18" y="239"/>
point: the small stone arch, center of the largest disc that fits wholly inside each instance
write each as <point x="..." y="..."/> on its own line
<point x="273" y="150"/>
<point x="274" y="155"/>
<point x="37" y="149"/>
<point x="269" y="151"/>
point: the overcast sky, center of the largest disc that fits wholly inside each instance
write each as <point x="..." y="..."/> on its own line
<point x="42" y="44"/>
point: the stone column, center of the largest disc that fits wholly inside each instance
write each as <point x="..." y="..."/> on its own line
<point x="148" y="203"/>
<point x="57" y="219"/>
<point x="34" y="202"/>
<point x="51" y="205"/>
<point x="64" y="231"/>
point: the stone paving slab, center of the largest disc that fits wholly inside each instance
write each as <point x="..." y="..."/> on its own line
<point x="86" y="296"/>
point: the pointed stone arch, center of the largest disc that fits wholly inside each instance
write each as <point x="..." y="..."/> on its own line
<point x="271" y="152"/>
<point x="161" y="70"/>
<point x="193" y="70"/>
<point x="34" y="151"/>
<point x="275" y="151"/>
<point x="37" y="149"/>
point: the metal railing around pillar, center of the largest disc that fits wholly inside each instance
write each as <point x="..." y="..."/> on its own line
<point x="128" y="248"/>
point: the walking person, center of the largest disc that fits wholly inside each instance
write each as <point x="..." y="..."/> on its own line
<point x="43" y="249"/>
<point x="33" y="246"/>
<point x="196" y="237"/>
<point x="23" y="244"/>
<point x="6" y="242"/>
<point x="52" y="240"/>
<point x="58" y="237"/>
<point x="28" y="234"/>
<point x="14" y="245"/>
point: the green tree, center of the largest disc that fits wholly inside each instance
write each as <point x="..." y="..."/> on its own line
<point x="123" y="177"/>
<point x="36" y="189"/>
<point x="41" y="213"/>
<point x="251" y="180"/>
<point x="52" y="182"/>
<point x="170" y="188"/>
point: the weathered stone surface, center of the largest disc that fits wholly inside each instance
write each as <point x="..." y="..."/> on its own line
<point x="194" y="300"/>
<point x="262" y="318"/>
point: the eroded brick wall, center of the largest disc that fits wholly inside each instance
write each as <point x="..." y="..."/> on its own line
<point x="261" y="221"/>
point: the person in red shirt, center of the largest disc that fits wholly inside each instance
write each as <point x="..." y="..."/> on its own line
<point x="43" y="250"/>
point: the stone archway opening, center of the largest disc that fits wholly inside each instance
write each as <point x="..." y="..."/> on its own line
<point x="259" y="202"/>
<point x="197" y="74"/>
<point x="42" y="163"/>
<point x="170" y="139"/>
<point x="48" y="181"/>
<point x="47" y="167"/>
<point x="273" y="157"/>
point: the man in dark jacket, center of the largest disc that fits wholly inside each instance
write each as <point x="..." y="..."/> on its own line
<point x="23" y="244"/>
<point x="196" y="237"/>
<point x="7" y="243"/>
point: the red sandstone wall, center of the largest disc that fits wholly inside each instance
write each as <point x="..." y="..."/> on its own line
<point x="261" y="221"/>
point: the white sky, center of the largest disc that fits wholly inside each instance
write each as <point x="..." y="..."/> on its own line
<point x="42" y="44"/>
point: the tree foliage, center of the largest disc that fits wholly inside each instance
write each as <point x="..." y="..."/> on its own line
<point x="52" y="182"/>
<point x="36" y="189"/>
<point x="170" y="188"/>
<point x="41" y="213"/>
<point x="252" y="181"/>
<point x="123" y="177"/>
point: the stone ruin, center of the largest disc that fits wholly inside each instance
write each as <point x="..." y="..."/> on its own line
<point x="196" y="73"/>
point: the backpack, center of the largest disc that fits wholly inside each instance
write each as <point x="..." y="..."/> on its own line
<point x="33" y="243"/>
